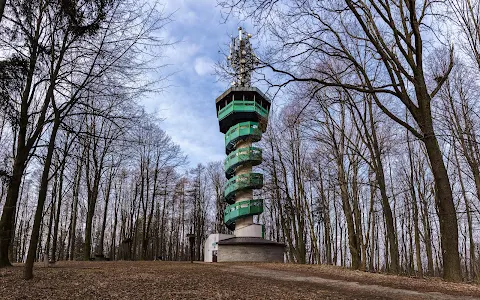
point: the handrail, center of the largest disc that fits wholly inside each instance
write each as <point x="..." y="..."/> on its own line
<point x="243" y="204"/>
<point x="242" y="182"/>
<point x="242" y="209"/>
<point x="225" y="111"/>
<point x="242" y="131"/>
<point x="252" y="155"/>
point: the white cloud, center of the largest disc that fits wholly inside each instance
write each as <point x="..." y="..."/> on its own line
<point x="188" y="104"/>
<point x="181" y="53"/>
<point x="204" y="66"/>
<point x="190" y="119"/>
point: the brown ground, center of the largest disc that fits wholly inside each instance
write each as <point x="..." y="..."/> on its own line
<point x="180" y="280"/>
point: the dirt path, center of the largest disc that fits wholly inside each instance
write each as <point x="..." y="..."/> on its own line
<point x="353" y="288"/>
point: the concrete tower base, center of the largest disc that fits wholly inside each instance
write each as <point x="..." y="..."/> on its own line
<point x="250" y="249"/>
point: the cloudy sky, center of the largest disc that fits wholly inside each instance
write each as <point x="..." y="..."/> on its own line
<point x="188" y="104"/>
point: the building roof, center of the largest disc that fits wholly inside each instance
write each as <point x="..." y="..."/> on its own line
<point x="249" y="241"/>
<point x="242" y="89"/>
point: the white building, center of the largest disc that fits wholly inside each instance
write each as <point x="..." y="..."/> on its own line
<point x="211" y="245"/>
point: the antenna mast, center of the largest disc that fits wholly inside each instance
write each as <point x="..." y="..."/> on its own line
<point x="242" y="59"/>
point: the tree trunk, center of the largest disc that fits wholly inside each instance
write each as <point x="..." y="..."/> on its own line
<point x="446" y="209"/>
<point x="472" y="264"/>
<point x="59" y="205"/>
<point x="357" y="213"/>
<point x="92" y="196"/>
<point x="76" y="192"/>
<point x="415" y="210"/>
<point x="2" y="8"/>
<point x="105" y="210"/>
<point x="326" y="221"/>
<point x="42" y="195"/>
<point x="9" y="208"/>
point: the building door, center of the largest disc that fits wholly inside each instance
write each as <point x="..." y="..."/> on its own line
<point x="214" y="256"/>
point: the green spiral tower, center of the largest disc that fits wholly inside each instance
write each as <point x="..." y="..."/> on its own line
<point x="242" y="112"/>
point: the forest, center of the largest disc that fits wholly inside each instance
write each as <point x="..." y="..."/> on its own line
<point x="371" y="163"/>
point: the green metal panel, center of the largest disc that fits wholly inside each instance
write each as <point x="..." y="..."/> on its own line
<point x="241" y="156"/>
<point x="242" y="209"/>
<point x="240" y="183"/>
<point x="237" y="106"/>
<point x="242" y="131"/>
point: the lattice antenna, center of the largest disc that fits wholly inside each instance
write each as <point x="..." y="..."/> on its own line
<point x="242" y="59"/>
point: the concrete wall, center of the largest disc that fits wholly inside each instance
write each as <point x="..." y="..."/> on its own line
<point x="253" y="230"/>
<point x="260" y="253"/>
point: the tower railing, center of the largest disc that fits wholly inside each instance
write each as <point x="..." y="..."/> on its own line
<point x="240" y="132"/>
<point x="242" y="209"/>
<point x="242" y="156"/>
<point x="238" y="106"/>
<point x="247" y="181"/>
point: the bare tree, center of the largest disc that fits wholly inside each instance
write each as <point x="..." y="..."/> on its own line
<point x="374" y="47"/>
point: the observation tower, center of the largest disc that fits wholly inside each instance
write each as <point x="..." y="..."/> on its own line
<point x="242" y="112"/>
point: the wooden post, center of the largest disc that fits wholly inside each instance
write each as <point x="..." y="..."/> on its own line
<point x="191" y="240"/>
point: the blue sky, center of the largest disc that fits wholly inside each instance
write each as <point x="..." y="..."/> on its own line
<point x="188" y="104"/>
